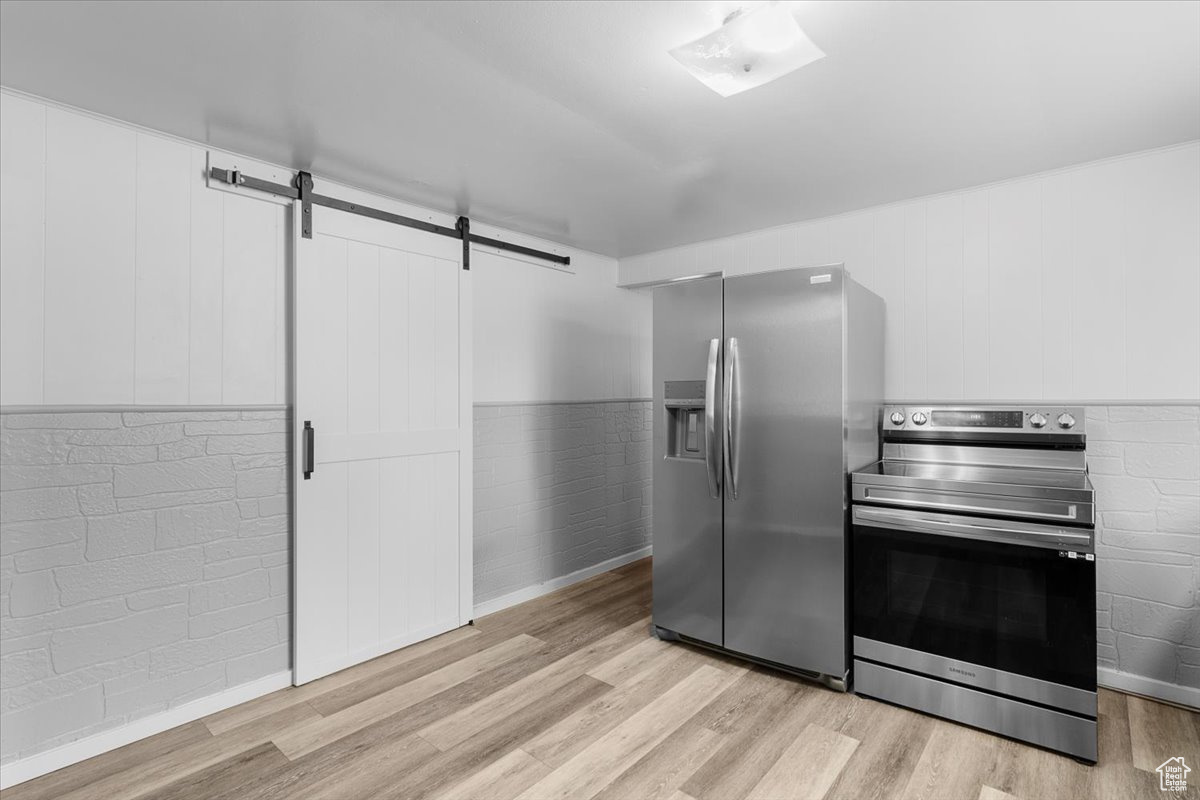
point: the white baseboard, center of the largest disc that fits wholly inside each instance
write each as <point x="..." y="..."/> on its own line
<point x="554" y="584"/>
<point x="1148" y="687"/>
<point x="25" y="769"/>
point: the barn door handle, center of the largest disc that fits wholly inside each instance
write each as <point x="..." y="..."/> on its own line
<point x="310" y="449"/>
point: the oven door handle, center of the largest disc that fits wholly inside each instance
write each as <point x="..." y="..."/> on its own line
<point x="917" y="497"/>
<point x="985" y="530"/>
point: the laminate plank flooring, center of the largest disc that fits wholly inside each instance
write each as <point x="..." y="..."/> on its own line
<point x="567" y="696"/>
<point x="1151" y="723"/>
<point x="809" y="766"/>
<point x="988" y="793"/>
<point x="302" y="739"/>
<point x="115" y="762"/>
<point x="505" y="777"/>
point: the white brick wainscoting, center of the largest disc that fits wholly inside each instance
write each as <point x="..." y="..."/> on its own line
<point x="559" y="489"/>
<point x="144" y="564"/>
<point x="145" y="555"/>
<point x="1145" y="466"/>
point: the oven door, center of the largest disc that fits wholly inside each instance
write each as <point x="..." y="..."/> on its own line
<point x="1002" y="605"/>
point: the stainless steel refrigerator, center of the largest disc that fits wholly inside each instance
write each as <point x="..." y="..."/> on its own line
<point x="767" y="392"/>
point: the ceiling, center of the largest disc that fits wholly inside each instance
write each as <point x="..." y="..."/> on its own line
<point x="569" y="120"/>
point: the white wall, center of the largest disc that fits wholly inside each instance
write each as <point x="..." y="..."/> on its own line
<point x="1080" y="285"/>
<point x="546" y="335"/>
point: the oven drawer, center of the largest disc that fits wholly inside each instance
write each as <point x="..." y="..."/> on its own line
<point x="1023" y="687"/>
<point x="1056" y="730"/>
<point x="1071" y="512"/>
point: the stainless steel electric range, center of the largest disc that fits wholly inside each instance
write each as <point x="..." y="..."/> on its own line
<point x="974" y="573"/>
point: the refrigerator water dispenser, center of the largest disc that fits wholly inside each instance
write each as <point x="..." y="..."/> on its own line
<point x="684" y="402"/>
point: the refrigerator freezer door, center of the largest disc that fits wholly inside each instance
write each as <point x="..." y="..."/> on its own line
<point x="784" y="531"/>
<point x="687" y="515"/>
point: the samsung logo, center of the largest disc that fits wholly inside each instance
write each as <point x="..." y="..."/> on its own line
<point x="961" y="671"/>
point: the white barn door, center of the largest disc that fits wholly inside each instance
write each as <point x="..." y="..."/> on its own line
<point x="382" y="375"/>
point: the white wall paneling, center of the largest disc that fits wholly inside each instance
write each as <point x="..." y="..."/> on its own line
<point x="161" y="289"/>
<point x="162" y="277"/>
<point x="157" y="289"/>
<point x="249" y="286"/>
<point x="1058" y="268"/>
<point x="91" y="236"/>
<point x="944" y="319"/>
<point x="916" y="290"/>
<point x="852" y="239"/>
<point x="888" y="260"/>
<point x="22" y="248"/>
<point x="1081" y="284"/>
<point x="1162" y="275"/>
<point x="976" y="282"/>
<point x="206" y="287"/>
<point x="1098" y="318"/>
<point x="549" y="335"/>
<point x="1015" y="346"/>
<point x="812" y="244"/>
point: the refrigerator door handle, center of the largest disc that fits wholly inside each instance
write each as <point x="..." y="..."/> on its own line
<point x="731" y="357"/>
<point x="710" y="419"/>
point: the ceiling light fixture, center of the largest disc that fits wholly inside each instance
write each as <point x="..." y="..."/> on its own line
<point x="751" y="48"/>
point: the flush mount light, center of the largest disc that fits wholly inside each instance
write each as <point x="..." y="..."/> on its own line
<point x="751" y="48"/>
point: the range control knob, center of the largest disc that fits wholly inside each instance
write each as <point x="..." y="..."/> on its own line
<point x="897" y="418"/>
<point x="1066" y="420"/>
<point x="1038" y="420"/>
<point x="919" y="418"/>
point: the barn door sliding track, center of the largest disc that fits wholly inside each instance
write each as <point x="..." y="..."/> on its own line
<point x="302" y="190"/>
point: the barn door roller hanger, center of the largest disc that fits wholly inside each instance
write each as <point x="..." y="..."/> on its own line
<point x="301" y="189"/>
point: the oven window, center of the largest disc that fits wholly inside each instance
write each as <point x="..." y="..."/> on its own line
<point x="918" y="588"/>
<point x="1019" y="609"/>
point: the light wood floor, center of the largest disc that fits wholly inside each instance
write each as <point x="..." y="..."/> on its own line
<point x="568" y="696"/>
